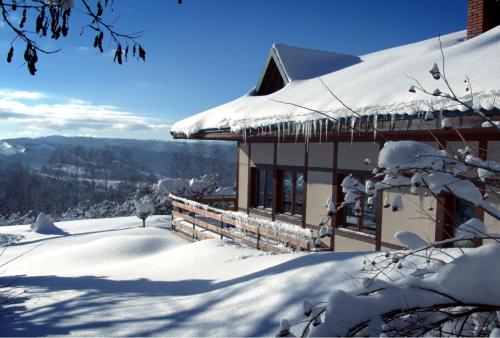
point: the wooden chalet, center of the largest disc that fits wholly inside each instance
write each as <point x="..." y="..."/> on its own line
<point x="297" y="141"/>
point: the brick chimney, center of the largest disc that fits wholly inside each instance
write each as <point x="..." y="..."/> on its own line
<point x="482" y="15"/>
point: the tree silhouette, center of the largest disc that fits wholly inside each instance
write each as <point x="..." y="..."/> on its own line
<point x="34" y="20"/>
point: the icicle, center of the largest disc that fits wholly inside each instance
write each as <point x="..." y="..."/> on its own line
<point x="309" y="131"/>
<point x="320" y="129"/>
<point x="326" y="129"/>
<point x="353" y="124"/>
<point x="278" y="126"/>
<point x="375" y="126"/>
<point x="338" y="127"/>
<point x="244" y="136"/>
<point x="393" y="116"/>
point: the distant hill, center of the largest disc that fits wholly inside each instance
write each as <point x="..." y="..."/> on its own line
<point x="142" y="158"/>
<point x="56" y="174"/>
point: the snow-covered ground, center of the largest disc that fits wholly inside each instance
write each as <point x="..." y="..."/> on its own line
<point x="112" y="277"/>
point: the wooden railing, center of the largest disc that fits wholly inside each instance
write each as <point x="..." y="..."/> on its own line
<point x="224" y="202"/>
<point x="197" y="223"/>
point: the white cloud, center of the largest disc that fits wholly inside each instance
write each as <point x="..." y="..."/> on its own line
<point x="71" y="115"/>
<point x="19" y="94"/>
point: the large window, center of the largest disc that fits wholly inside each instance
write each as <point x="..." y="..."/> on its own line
<point x="360" y="216"/>
<point x="290" y="191"/>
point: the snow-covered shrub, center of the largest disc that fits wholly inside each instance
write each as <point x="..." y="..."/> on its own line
<point x="44" y="225"/>
<point x="144" y="209"/>
<point x="426" y="290"/>
<point x="204" y="185"/>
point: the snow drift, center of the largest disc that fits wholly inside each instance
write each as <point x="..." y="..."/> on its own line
<point x="44" y="225"/>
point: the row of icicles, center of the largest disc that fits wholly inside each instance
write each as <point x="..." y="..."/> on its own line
<point x="314" y="128"/>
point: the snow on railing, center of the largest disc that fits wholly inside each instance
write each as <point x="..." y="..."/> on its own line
<point x="282" y="227"/>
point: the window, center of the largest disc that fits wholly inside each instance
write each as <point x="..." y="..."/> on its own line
<point x="269" y="188"/>
<point x="299" y="192"/>
<point x="261" y="187"/>
<point x="290" y="191"/>
<point x="287" y="192"/>
<point x="361" y="216"/>
<point x="262" y="184"/>
<point x="464" y="211"/>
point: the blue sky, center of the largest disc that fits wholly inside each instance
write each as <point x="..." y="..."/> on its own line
<point x="200" y="54"/>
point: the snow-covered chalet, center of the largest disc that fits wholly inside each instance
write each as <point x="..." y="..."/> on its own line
<point x="316" y="116"/>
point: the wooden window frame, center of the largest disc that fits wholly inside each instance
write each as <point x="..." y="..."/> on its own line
<point x="279" y="193"/>
<point x="341" y="216"/>
<point x="268" y="171"/>
<point x="276" y="173"/>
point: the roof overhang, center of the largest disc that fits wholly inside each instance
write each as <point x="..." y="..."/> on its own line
<point x="405" y="126"/>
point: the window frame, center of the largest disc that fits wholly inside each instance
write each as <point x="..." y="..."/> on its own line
<point x="274" y="175"/>
<point x="341" y="216"/>
<point x="295" y="172"/>
<point x="268" y="172"/>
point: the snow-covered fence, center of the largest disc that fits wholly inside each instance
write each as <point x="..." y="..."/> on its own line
<point x="200" y="221"/>
<point x="203" y="190"/>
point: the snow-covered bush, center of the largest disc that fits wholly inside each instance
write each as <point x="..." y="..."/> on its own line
<point x="426" y="290"/>
<point x="44" y="225"/>
<point x="204" y="185"/>
<point x="144" y="209"/>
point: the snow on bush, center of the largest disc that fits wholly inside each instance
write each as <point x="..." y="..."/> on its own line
<point x="424" y="290"/>
<point x="409" y="239"/>
<point x="204" y="185"/>
<point x="44" y="225"/>
<point x="451" y="291"/>
<point x="144" y="209"/>
<point x="224" y="191"/>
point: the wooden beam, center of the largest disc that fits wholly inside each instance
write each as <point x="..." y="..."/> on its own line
<point x="304" y="193"/>
<point x="237" y="176"/>
<point x="275" y="181"/>
<point x="249" y="181"/>
<point x="334" y="190"/>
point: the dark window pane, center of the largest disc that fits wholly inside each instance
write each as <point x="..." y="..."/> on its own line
<point x="260" y="187"/>
<point x="269" y="202"/>
<point x="369" y="216"/>
<point x="351" y="217"/>
<point x="464" y="211"/>
<point x="299" y="193"/>
<point x="287" y="191"/>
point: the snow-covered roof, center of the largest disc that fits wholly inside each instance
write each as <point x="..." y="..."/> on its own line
<point x="303" y="63"/>
<point x="377" y="85"/>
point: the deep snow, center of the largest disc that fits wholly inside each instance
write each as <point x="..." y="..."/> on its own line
<point x="113" y="277"/>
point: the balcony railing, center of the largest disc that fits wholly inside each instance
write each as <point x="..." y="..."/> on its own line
<point x="198" y="221"/>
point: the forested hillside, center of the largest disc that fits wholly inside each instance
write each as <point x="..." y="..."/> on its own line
<point x="54" y="174"/>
